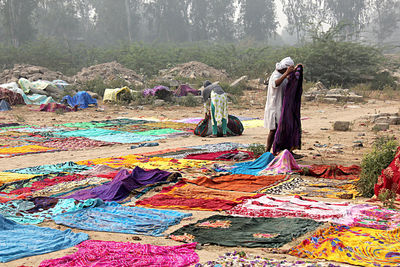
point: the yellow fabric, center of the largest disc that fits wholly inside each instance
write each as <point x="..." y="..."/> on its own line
<point x="8" y="177"/>
<point x="5" y="151"/>
<point x="111" y="94"/>
<point x="353" y="245"/>
<point x="132" y="161"/>
<point x="253" y="123"/>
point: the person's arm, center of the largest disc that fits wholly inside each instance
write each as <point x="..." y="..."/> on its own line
<point x="283" y="77"/>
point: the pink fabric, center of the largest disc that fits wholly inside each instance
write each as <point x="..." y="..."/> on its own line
<point x="283" y="163"/>
<point x="110" y="253"/>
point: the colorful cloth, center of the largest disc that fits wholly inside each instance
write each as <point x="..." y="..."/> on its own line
<point x="222" y="155"/>
<point x="112" y="217"/>
<point x="123" y="184"/>
<point x="53" y="107"/>
<point x="390" y="177"/>
<point x="159" y="132"/>
<point x="294" y="206"/>
<point x="220" y="103"/>
<point x="188" y="196"/>
<point x="335" y="171"/>
<point x="283" y="163"/>
<point x="20" y="241"/>
<point x="110" y="253"/>
<point x="253" y="167"/>
<point x="7" y="152"/>
<point x="184" y="90"/>
<point x="7" y="177"/>
<point x="69" y="167"/>
<point x="81" y="99"/>
<point x="352" y="245"/>
<point x="11" y="97"/>
<point x="75" y="143"/>
<point x="248" y="232"/>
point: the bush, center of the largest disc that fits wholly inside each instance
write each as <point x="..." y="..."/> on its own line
<point x="98" y="85"/>
<point x="382" y="154"/>
<point x="257" y="149"/>
<point x="188" y="101"/>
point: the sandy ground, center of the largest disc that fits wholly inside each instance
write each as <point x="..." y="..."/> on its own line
<point x="317" y="128"/>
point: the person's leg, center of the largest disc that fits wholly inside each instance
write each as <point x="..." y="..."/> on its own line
<point x="214" y="122"/>
<point x="270" y="140"/>
<point x="224" y="126"/>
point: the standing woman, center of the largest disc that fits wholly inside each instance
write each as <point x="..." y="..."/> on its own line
<point x="216" y="104"/>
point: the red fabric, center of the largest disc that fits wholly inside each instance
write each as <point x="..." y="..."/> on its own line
<point x="335" y="172"/>
<point x="52" y="107"/>
<point x="390" y="177"/>
<point x="11" y="97"/>
<point x="216" y="155"/>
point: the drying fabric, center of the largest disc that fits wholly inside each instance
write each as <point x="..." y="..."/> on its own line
<point x="112" y="217"/>
<point x="53" y="107"/>
<point x="390" y="177"/>
<point x="69" y="167"/>
<point x="240" y="182"/>
<point x="190" y="120"/>
<point x="127" y="138"/>
<point x="123" y="184"/>
<point x="246" y="232"/>
<point x="184" y="90"/>
<point x="20" y="241"/>
<point x="86" y="124"/>
<point x="4" y="106"/>
<point x="36" y="129"/>
<point x="157" y="90"/>
<point x="222" y="155"/>
<point x="110" y="253"/>
<point x="10" y="124"/>
<point x="89" y="133"/>
<point x="100" y="169"/>
<point x="7" y="152"/>
<point x="352" y="245"/>
<point x="11" y="97"/>
<point x="171" y="125"/>
<point x="188" y="196"/>
<point x="288" y="133"/>
<point x="253" y="123"/>
<point x="37" y="210"/>
<point x="159" y="132"/>
<point x="7" y="177"/>
<point x="293" y="206"/>
<point x="253" y="167"/>
<point x="36" y="99"/>
<point x="75" y="143"/>
<point x="112" y="95"/>
<point x="335" y="172"/>
<point x="131" y="161"/>
<point x="283" y="163"/>
<point x="81" y="99"/>
<point x="219" y="146"/>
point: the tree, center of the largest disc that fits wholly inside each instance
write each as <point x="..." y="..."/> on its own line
<point x="220" y="20"/>
<point x="385" y="18"/>
<point x="198" y="13"/>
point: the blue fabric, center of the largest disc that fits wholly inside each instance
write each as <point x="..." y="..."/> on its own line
<point x="18" y="241"/>
<point x="70" y="167"/>
<point x="253" y="167"/>
<point x="82" y="99"/>
<point x="127" y="138"/>
<point x="4" y="106"/>
<point x="113" y="217"/>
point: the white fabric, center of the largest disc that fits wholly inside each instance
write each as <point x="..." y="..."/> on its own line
<point x="273" y="106"/>
<point x="285" y="63"/>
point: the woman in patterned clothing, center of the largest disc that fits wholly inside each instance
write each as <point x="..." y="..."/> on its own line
<point x="216" y="104"/>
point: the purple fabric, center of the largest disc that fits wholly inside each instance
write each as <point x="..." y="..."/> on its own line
<point x="288" y="134"/>
<point x="122" y="184"/>
<point x="184" y="90"/>
<point x="153" y="91"/>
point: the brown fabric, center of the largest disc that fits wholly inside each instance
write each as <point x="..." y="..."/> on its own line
<point x="11" y="97"/>
<point x="240" y="182"/>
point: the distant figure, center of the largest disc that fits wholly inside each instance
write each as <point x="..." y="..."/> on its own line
<point x="273" y="107"/>
<point x="216" y="105"/>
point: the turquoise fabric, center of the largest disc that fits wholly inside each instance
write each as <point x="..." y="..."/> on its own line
<point x="253" y="167"/>
<point x="113" y="217"/>
<point x="70" y="167"/>
<point x="18" y="241"/>
<point x="159" y="132"/>
<point x="215" y="125"/>
<point x="127" y="138"/>
<point x="89" y="133"/>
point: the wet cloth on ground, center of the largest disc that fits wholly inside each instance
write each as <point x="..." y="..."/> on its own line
<point x="335" y="171"/>
<point x="189" y="196"/>
<point x="283" y="163"/>
<point x="75" y="143"/>
<point x="20" y="241"/>
<point x="110" y="253"/>
<point x="222" y="155"/>
<point x="69" y="167"/>
<point x="113" y="217"/>
<point x="7" y="177"/>
<point x="6" y="152"/>
<point x="253" y="167"/>
<point x="246" y="232"/>
<point x="352" y="245"/>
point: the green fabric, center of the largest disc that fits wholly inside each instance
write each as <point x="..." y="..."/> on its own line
<point x="159" y="132"/>
<point x="215" y="124"/>
<point x="104" y="123"/>
<point x="92" y="132"/>
<point x="242" y="229"/>
<point x="85" y="125"/>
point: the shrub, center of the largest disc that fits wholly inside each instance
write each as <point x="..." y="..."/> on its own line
<point x="189" y="101"/>
<point x="382" y="154"/>
<point x="257" y="149"/>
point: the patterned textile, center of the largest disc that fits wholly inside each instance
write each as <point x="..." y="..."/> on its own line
<point x="220" y="102"/>
<point x="241" y="231"/>
<point x="7" y="177"/>
<point x="127" y="138"/>
<point x="69" y="167"/>
<point x="145" y="162"/>
<point x="222" y="155"/>
<point x="283" y="163"/>
<point x="171" y="125"/>
<point x="89" y="133"/>
<point x="188" y="196"/>
<point x="219" y="146"/>
<point x="112" y="217"/>
<point x="240" y="182"/>
<point x="253" y="167"/>
<point x="11" y="97"/>
<point x="7" y="152"/>
<point x="352" y="245"/>
<point x="75" y="143"/>
<point x="159" y="132"/>
<point x="104" y="123"/>
<point x="20" y="241"/>
<point x="335" y="172"/>
<point x="110" y="253"/>
<point x="22" y="211"/>
<point x="390" y="177"/>
<point x="295" y="206"/>
<point x="184" y="90"/>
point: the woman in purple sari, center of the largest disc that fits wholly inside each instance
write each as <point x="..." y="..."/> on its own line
<point x="288" y="134"/>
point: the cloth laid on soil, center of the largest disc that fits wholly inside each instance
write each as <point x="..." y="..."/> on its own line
<point x="4" y="106"/>
<point x="223" y="155"/>
<point x="246" y="232"/>
<point x="11" y="97"/>
<point x="190" y="120"/>
<point x="293" y="206"/>
<point x="7" y="152"/>
<point x="352" y="245"/>
<point x="253" y="123"/>
<point x="53" y="107"/>
<point x="131" y="161"/>
<point x="184" y="90"/>
<point x="11" y="124"/>
<point x="88" y="133"/>
<point x="159" y="132"/>
<point x="113" y="95"/>
<point x="390" y="177"/>
<point x="171" y="125"/>
<point x="240" y="182"/>
<point x="70" y="167"/>
<point x="253" y="167"/>
<point x="335" y="171"/>
<point x="36" y="129"/>
<point x="283" y="163"/>
<point x="189" y="196"/>
<point x="81" y="99"/>
<point x="20" y="241"/>
<point x="75" y="143"/>
<point x="7" y="177"/>
<point x="36" y="210"/>
<point x="113" y="217"/>
<point x="111" y="253"/>
<point x="160" y="91"/>
<point x="123" y="184"/>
